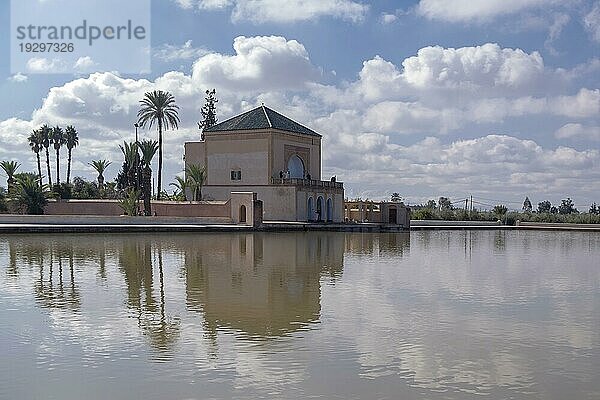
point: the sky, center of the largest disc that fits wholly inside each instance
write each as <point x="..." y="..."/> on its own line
<point x="498" y="99"/>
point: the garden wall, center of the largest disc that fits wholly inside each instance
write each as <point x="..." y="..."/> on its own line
<point x="159" y="208"/>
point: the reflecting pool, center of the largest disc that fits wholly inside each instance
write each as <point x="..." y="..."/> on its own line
<point x="431" y="314"/>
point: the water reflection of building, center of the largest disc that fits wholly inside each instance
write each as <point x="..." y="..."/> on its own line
<point x="258" y="285"/>
<point x="370" y="243"/>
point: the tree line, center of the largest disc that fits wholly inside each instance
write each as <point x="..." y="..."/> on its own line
<point x="29" y="192"/>
<point x="566" y="212"/>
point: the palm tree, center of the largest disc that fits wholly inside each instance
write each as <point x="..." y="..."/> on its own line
<point x="129" y="175"/>
<point x="159" y="108"/>
<point x="100" y="166"/>
<point x="195" y="176"/>
<point x="35" y="142"/>
<point x="10" y="168"/>
<point x="72" y="141"/>
<point x="46" y="132"/>
<point x="148" y="149"/>
<point x="181" y="185"/>
<point x="58" y="139"/>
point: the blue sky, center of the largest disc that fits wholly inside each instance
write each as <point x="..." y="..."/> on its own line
<point x="499" y="99"/>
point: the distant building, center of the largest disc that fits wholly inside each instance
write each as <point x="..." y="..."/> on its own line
<point x="267" y="153"/>
<point x="383" y="212"/>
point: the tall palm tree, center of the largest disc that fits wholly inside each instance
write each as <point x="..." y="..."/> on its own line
<point x="46" y="132"/>
<point x="10" y="168"/>
<point x="71" y="141"/>
<point x="35" y="142"/>
<point x="58" y="139"/>
<point x="159" y="108"/>
<point x="195" y="176"/>
<point x="130" y="173"/>
<point x="100" y="166"/>
<point x="148" y="149"/>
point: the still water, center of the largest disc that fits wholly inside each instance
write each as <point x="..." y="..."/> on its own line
<point x="430" y="315"/>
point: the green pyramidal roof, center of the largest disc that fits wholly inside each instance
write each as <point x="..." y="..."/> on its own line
<point x="261" y="118"/>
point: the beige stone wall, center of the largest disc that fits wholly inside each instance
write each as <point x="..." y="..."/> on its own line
<point x="245" y="152"/>
<point x="260" y="155"/>
<point x="242" y="207"/>
<point x="377" y="212"/>
<point x="286" y="202"/>
<point x="279" y="203"/>
<point x="162" y="208"/>
<point x="308" y="148"/>
<point x="337" y="203"/>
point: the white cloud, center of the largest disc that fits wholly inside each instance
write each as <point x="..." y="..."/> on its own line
<point x="586" y="103"/>
<point x="18" y="78"/>
<point x="42" y="65"/>
<point x="560" y="20"/>
<point x="215" y="4"/>
<point x="575" y="130"/>
<point x="187" y="51"/>
<point x="497" y="164"/>
<point x="262" y="11"/>
<point x="487" y="65"/>
<point x="265" y="62"/>
<point x="591" y="21"/>
<point x="84" y="64"/>
<point x="388" y="18"/>
<point x="468" y="10"/>
<point x="383" y="122"/>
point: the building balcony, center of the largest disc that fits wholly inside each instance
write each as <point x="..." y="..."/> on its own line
<point x="313" y="183"/>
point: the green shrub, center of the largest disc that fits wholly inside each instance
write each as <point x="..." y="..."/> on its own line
<point x="30" y="196"/>
<point x="130" y="203"/>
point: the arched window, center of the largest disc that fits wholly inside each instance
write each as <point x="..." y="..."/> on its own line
<point x="296" y="167"/>
<point x="320" y="209"/>
<point x="243" y="214"/>
<point x="329" y="210"/>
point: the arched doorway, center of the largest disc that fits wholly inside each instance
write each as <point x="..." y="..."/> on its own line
<point x="329" y="210"/>
<point x="392" y="215"/>
<point x="242" y="214"/>
<point x="310" y="209"/>
<point x="320" y="209"/>
<point x="296" y="167"/>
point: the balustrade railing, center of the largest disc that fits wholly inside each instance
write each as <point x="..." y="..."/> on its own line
<point x="307" y="182"/>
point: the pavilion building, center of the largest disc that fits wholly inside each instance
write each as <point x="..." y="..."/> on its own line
<point x="265" y="152"/>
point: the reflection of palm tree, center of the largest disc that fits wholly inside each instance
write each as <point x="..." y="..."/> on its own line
<point x="50" y="297"/>
<point x="13" y="270"/>
<point x="136" y="264"/>
<point x="164" y="332"/>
